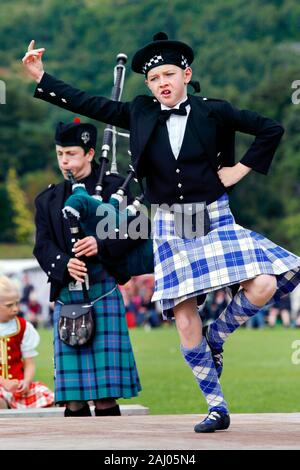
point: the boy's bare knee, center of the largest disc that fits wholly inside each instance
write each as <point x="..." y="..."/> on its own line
<point x="262" y="288"/>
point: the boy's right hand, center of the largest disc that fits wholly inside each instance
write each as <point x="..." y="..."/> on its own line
<point x="32" y="62"/>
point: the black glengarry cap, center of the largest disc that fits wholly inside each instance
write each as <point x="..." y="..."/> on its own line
<point x="162" y="51"/>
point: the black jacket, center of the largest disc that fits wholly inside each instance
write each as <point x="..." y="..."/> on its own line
<point x="216" y="122"/>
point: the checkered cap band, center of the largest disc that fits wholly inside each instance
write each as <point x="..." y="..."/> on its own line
<point x="158" y="59"/>
<point x="184" y="62"/>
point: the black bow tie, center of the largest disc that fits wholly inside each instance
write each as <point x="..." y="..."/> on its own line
<point x="166" y="113"/>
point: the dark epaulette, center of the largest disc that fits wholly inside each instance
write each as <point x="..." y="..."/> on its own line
<point x="50" y="186"/>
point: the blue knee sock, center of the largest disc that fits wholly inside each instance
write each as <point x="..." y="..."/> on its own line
<point x="201" y="363"/>
<point x="236" y="313"/>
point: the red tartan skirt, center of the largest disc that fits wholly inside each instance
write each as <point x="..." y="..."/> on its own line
<point x="38" y="396"/>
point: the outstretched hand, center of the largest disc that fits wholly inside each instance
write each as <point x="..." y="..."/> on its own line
<point x="32" y="61"/>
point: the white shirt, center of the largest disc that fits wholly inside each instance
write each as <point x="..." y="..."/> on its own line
<point x="176" y="125"/>
<point x="30" y="340"/>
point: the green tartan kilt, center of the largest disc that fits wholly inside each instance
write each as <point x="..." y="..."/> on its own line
<point x="104" y="369"/>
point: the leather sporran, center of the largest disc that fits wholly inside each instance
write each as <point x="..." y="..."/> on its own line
<point x="76" y="325"/>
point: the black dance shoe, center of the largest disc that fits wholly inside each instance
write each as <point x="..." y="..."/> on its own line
<point x="214" y="421"/>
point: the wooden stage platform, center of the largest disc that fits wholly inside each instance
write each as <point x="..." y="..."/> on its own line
<point x="149" y="432"/>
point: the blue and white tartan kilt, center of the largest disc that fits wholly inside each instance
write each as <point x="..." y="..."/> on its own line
<point x="227" y="255"/>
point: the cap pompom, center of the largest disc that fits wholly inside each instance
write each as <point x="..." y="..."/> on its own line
<point x="77" y="120"/>
<point x="160" y="36"/>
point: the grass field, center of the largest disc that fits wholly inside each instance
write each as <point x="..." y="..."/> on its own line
<point x="15" y="251"/>
<point x="258" y="376"/>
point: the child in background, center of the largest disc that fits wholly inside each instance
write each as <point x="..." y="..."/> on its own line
<point x="18" y="340"/>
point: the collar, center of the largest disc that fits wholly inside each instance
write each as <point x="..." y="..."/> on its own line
<point x="8" y="328"/>
<point x="163" y="107"/>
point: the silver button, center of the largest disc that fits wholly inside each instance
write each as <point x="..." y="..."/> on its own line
<point x="49" y="272"/>
<point x="126" y="235"/>
<point x="204" y="99"/>
<point x="179" y="185"/>
<point x="52" y="93"/>
<point x="63" y="100"/>
<point x="53" y="265"/>
<point x="219" y="153"/>
<point x="181" y="197"/>
<point x="58" y="257"/>
<point x="177" y="170"/>
<point x="40" y="90"/>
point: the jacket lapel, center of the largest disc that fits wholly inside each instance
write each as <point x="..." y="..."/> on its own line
<point x="144" y="126"/>
<point x="205" y="127"/>
<point x="148" y="117"/>
<point x="148" y="114"/>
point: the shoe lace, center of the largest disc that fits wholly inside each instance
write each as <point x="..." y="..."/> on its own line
<point x="218" y="358"/>
<point x="213" y="415"/>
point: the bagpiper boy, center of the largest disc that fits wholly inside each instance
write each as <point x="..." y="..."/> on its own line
<point x="105" y="369"/>
<point x="184" y="146"/>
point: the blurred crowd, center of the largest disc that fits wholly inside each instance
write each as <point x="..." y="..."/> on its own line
<point x="278" y="313"/>
<point x="31" y="308"/>
<point x="141" y="311"/>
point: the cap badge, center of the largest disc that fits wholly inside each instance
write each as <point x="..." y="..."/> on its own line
<point x="85" y="137"/>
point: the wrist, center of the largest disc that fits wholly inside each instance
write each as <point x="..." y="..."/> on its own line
<point x="39" y="76"/>
<point x="26" y="382"/>
<point x="242" y="169"/>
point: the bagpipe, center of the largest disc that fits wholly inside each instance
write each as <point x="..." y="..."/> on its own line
<point x="84" y="212"/>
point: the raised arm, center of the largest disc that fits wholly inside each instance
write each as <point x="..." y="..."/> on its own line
<point x="32" y="62"/>
<point x="65" y="96"/>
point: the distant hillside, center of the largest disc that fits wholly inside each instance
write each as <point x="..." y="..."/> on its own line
<point x="246" y="52"/>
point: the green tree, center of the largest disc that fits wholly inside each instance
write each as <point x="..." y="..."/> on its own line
<point x="22" y="218"/>
<point x="6" y="215"/>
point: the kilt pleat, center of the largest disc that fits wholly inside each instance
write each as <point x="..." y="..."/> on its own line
<point x="227" y="255"/>
<point x="104" y="369"/>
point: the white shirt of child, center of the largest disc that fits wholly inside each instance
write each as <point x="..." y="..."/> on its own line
<point x="176" y="125"/>
<point x="30" y="340"/>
